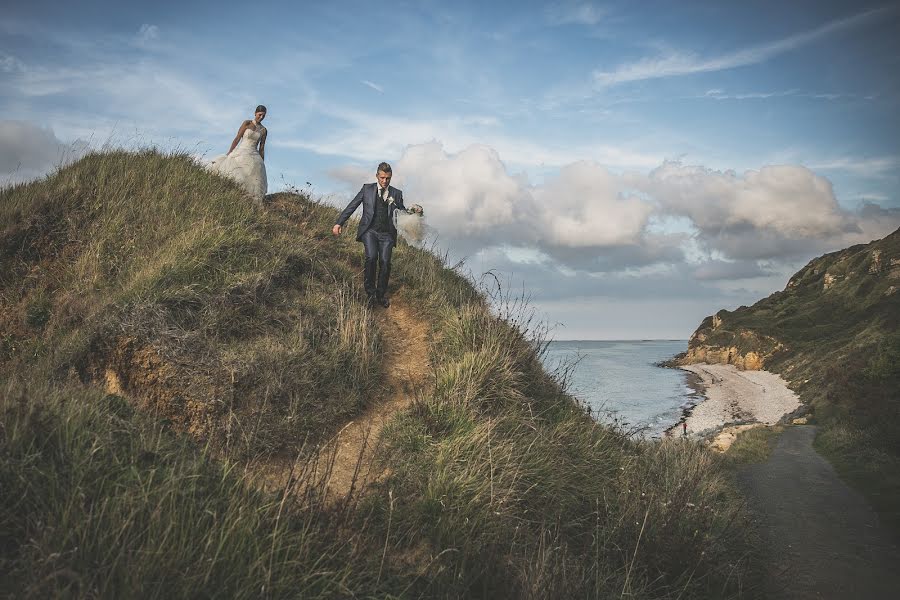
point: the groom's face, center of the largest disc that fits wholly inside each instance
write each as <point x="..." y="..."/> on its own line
<point x="384" y="179"/>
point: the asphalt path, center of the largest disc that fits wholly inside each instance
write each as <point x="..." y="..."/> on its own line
<point x="823" y="540"/>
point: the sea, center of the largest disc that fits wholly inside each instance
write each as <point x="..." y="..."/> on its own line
<point x="621" y="383"/>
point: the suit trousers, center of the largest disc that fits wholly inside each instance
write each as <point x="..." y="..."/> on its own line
<point x="378" y="247"/>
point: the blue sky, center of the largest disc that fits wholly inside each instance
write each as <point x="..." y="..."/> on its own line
<point x="635" y="166"/>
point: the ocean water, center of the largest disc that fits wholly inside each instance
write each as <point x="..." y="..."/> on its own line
<point x="620" y="382"/>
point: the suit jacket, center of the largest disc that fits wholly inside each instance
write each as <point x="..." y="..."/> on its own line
<point x="366" y="197"/>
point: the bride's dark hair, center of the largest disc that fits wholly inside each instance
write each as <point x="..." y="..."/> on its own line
<point x="260" y="108"/>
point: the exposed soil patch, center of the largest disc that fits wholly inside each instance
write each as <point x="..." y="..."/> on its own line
<point x="405" y="340"/>
<point x="139" y="372"/>
<point x="347" y="460"/>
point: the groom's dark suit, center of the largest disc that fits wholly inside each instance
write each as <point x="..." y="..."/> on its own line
<point x="376" y="231"/>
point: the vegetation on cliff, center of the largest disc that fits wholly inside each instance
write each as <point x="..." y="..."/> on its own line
<point x="834" y="334"/>
<point x="161" y="339"/>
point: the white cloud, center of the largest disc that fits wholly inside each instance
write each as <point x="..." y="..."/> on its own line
<point x="374" y="86"/>
<point x="362" y="137"/>
<point x="867" y="167"/>
<point x="575" y="13"/>
<point x="140" y="94"/>
<point x="586" y="206"/>
<point x="678" y="63"/>
<point x="352" y="175"/>
<point x="717" y="94"/>
<point x="472" y="197"/>
<point x="790" y="200"/>
<point x="28" y="151"/>
<point x="590" y="218"/>
<point x="469" y="194"/>
<point x="777" y="212"/>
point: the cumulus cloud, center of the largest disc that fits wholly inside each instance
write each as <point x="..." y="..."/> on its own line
<point x="472" y="195"/>
<point x="591" y="220"/>
<point x="776" y="212"/>
<point x="28" y="151"/>
<point x="790" y="200"/>
<point x="585" y="206"/>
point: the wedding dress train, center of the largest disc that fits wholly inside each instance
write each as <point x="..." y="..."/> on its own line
<point x="244" y="165"/>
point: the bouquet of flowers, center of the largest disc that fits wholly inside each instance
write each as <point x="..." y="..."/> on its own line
<point x="410" y="224"/>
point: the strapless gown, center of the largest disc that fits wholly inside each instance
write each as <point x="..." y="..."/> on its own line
<point x="244" y="165"/>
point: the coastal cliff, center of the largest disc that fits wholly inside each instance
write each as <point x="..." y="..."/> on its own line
<point x="712" y="343"/>
<point x="833" y="333"/>
<point x="839" y="307"/>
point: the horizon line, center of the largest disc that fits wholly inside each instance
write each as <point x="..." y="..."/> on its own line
<point x="625" y="340"/>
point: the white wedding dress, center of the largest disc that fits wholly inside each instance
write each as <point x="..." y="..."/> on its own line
<point x="244" y="164"/>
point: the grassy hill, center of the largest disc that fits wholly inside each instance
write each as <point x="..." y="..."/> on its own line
<point x="834" y="334"/>
<point x="161" y="339"/>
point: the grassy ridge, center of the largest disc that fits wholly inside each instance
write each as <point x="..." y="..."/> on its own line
<point x="242" y="333"/>
<point x="146" y="273"/>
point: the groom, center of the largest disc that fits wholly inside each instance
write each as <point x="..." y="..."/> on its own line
<point x="376" y="230"/>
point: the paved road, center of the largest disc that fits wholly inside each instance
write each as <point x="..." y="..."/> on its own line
<point x="823" y="539"/>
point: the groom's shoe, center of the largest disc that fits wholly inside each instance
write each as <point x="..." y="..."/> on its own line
<point x="384" y="301"/>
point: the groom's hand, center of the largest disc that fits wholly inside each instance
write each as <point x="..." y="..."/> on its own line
<point x="336" y="230"/>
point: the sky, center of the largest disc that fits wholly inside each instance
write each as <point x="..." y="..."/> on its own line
<point x="629" y="167"/>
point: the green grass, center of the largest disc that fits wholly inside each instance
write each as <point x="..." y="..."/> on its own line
<point x="252" y="320"/>
<point x="233" y="335"/>
<point x="861" y="461"/>
<point x="96" y="500"/>
<point x="514" y="490"/>
<point x="753" y="445"/>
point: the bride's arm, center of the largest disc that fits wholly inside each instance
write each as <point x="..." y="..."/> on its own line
<point x="262" y="144"/>
<point x="238" y="137"/>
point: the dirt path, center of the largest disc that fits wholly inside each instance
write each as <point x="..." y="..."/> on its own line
<point x="405" y="346"/>
<point x="823" y="539"/>
<point x="346" y="460"/>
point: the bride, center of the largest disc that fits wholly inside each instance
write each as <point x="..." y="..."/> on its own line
<point x="244" y="162"/>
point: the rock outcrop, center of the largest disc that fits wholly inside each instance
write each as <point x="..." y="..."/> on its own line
<point x="715" y="342"/>
<point x="829" y="313"/>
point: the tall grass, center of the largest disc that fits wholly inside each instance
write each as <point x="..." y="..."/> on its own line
<point x="245" y="330"/>
<point x="509" y="489"/>
<point x="98" y="501"/>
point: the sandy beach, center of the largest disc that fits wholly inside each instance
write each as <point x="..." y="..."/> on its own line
<point x="738" y="396"/>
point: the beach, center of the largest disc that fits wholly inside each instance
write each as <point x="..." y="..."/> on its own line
<point x="734" y="396"/>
